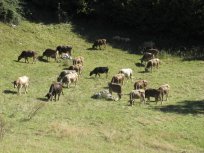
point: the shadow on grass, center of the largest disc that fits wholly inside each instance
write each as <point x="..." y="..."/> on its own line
<point x="9" y="92"/>
<point x="184" y="107"/>
<point x="42" y="99"/>
<point x="139" y="65"/>
<point x="92" y="49"/>
<point x="40" y="58"/>
<point x="143" y="72"/>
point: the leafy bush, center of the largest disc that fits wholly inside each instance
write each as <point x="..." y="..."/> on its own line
<point x="10" y="11"/>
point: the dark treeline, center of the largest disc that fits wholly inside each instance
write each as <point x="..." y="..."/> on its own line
<point x="177" y="17"/>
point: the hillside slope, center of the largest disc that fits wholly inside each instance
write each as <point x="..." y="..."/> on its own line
<point x="78" y="123"/>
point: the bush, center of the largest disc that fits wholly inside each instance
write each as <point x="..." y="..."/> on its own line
<point x="10" y="11"/>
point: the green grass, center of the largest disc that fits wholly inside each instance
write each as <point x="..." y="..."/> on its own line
<point x="78" y="123"/>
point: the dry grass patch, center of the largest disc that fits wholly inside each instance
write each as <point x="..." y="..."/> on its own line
<point x="63" y="130"/>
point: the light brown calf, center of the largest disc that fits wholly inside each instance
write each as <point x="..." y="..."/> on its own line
<point x="21" y="82"/>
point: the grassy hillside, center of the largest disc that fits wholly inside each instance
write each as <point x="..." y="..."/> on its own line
<point x="78" y="123"/>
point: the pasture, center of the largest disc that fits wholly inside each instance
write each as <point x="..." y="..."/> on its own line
<point x="78" y="123"/>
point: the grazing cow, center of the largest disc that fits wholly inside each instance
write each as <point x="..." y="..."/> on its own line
<point x="26" y="55"/>
<point x="152" y="63"/>
<point x="99" y="43"/>
<point x="156" y="93"/>
<point x="127" y="72"/>
<point x="50" y="53"/>
<point x="99" y="70"/>
<point x="64" y="49"/>
<point x="146" y="57"/>
<point x="55" y="89"/>
<point x="78" y="68"/>
<point x="141" y="84"/>
<point x="164" y="90"/>
<point x="115" y="88"/>
<point x="78" y="60"/>
<point x="137" y="94"/>
<point x="155" y="52"/>
<point x="70" y="78"/>
<point x="21" y="82"/>
<point x="63" y="73"/>
<point x="118" y="79"/>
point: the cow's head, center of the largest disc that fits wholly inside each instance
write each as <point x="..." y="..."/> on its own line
<point x="49" y="96"/>
<point x="14" y="84"/>
<point x="19" y="58"/>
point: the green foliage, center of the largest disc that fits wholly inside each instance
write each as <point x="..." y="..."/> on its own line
<point x="178" y="17"/>
<point x="10" y="11"/>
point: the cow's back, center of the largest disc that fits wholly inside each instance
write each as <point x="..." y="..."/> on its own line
<point x="23" y="80"/>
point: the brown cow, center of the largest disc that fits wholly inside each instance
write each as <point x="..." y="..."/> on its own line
<point x="115" y="88"/>
<point x="70" y="78"/>
<point x="137" y="94"/>
<point x="156" y="93"/>
<point x="164" y="90"/>
<point x="99" y="43"/>
<point x="152" y="63"/>
<point x="55" y="89"/>
<point x="78" y="60"/>
<point x="141" y="84"/>
<point x="118" y="78"/>
<point x="155" y="52"/>
<point x="78" y="68"/>
<point x="146" y="57"/>
<point x="50" y="53"/>
<point x="27" y="54"/>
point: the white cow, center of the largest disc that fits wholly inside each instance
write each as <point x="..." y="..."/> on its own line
<point x="22" y="81"/>
<point x="70" y="78"/>
<point x="127" y="72"/>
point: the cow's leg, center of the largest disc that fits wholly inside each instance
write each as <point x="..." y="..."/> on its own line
<point x="58" y="95"/>
<point x="25" y="89"/>
<point x="119" y="95"/>
<point x="19" y="90"/>
<point x="34" y="60"/>
<point x="55" y="96"/>
<point x="27" y="59"/>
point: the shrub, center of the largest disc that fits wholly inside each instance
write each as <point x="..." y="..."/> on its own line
<point x="10" y="11"/>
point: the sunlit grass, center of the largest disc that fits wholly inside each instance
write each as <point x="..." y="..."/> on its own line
<point x="78" y="123"/>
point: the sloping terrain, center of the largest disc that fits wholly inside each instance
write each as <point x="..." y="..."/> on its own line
<point x="78" y="123"/>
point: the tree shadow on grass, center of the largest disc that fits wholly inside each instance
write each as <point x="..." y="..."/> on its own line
<point x="184" y="107"/>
